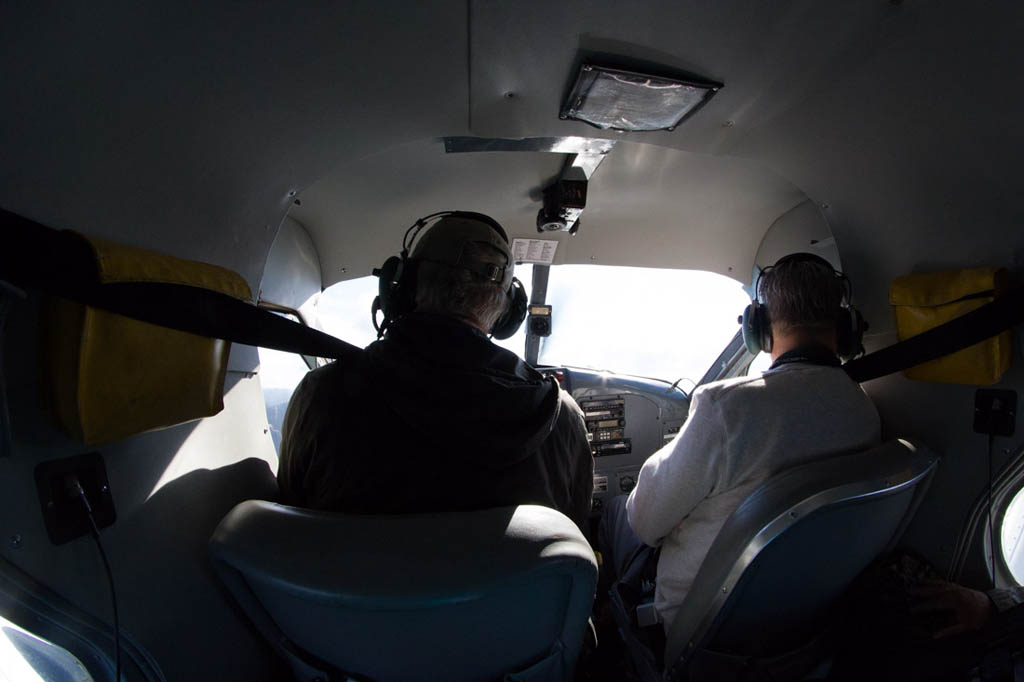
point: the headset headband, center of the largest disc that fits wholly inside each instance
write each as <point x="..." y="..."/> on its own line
<point x="418" y="226"/>
<point x="804" y="257"/>
<point x="448" y="240"/>
<point x="850" y="325"/>
<point x="396" y="288"/>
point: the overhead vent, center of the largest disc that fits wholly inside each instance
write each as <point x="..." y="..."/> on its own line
<point x="616" y="99"/>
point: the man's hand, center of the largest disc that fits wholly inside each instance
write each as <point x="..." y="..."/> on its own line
<point x="969" y="609"/>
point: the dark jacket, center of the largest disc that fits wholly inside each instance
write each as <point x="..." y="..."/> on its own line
<point x="434" y="417"/>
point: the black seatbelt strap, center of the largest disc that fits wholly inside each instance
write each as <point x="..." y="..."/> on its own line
<point x="63" y="264"/>
<point x="963" y="332"/>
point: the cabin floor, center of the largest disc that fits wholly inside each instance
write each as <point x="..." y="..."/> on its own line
<point x="886" y="650"/>
<point x="609" y="660"/>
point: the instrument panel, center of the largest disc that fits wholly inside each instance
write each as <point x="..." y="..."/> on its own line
<point x="628" y="419"/>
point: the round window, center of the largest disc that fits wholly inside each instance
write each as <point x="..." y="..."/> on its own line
<point x="1012" y="537"/>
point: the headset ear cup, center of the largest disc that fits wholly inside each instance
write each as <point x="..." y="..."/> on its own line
<point x="844" y="329"/>
<point x="750" y="326"/>
<point x="514" y="314"/>
<point x="395" y="291"/>
<point x="388" y="275"/>
<point x="850" y="333"/>
<point x="374" y="309"/>
<point x="765" y="327"/>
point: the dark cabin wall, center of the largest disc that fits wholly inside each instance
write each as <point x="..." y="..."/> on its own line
<point x="188" y="128"/>
<point x="940" y="416"/>
<point x="170" y="488"/>
<point x="912" y="148"/>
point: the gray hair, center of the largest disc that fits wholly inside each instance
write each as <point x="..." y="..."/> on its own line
<point x="802" y="294"/>
<point x="459" y="293"/>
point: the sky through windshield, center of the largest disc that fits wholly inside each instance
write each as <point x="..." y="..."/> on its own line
<point x="666" y="324"/>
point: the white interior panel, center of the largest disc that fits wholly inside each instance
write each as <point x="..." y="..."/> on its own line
<point x="646" y="205"/>
<point x="292" y="273"/>
<point x="659" y="207"/>
<point x="800" y="230"/>
<point x="358" y="215"/>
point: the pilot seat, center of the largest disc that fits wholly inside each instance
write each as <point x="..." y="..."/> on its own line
<point x="763" y="601"/>
<point x="497" y="594"/>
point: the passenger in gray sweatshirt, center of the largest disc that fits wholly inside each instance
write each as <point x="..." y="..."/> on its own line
<point x="742" y="431"/>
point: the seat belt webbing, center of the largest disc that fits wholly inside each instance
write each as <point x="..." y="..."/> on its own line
<point x="950" y="337"/>
<point x="63" y="264"/>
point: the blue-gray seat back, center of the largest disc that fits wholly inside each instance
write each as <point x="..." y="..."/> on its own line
<point x="456" y="596"/>
<point x="789" y="552"/>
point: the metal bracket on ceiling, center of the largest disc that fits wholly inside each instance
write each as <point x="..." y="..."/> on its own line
<point x="586" y="162"/>
<point x="566" y="197"/>
<point x="557" y="145"/>
<point x="586" y="153"/>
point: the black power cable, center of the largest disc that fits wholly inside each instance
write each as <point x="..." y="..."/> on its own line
<point x="113" y="598"/>
<point x="76" y="488"/>
<point x="991" y="527"/>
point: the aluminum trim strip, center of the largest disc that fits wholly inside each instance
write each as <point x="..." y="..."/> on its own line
<point x="558" y="145"/>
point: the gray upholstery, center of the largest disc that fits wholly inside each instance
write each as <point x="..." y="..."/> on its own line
<point x="492" y="594"/>
<point x="787" y="554"/>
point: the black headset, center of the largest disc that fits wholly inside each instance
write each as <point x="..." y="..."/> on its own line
<point x="850" y="327"/>
<point x="397" y="287"/>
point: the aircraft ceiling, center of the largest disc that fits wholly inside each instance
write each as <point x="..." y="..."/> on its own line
<point x="646" y="206"/>
<point x="187" y="126"/>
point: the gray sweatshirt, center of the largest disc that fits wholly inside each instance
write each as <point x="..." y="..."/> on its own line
<point x="739" y="432"/>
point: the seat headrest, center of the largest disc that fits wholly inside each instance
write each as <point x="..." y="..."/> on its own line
<point x="354" y="557"/>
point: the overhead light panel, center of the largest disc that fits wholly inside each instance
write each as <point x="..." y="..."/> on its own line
<point x="626" y="100"/>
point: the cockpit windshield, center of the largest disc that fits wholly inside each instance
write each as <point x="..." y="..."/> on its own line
<point x="659" y="323"/>
<point x="664" y="324"/>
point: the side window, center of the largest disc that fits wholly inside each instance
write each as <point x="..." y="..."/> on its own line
<point x="760" y="363"/>
<point x="1011" y="536"/>
<point x="280" y="373"/>
<point x="23" y="656"/>
<point x="342" y="310"/>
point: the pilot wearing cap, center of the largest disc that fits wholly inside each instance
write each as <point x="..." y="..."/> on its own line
<point x="434" y="416"/>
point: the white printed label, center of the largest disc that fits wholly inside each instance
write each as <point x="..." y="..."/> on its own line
<point x="540" y="251"/>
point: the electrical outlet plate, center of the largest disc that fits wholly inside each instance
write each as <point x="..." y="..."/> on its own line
<point x="64" y="513"/>
<point x="995" y="411"/>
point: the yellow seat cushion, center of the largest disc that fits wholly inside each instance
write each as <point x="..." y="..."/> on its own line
<point x="112" y="376"/>
<point x="924" y="301"/>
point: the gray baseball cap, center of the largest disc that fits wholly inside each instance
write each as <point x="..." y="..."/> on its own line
<point x="445" y="241"/>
